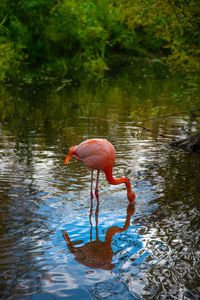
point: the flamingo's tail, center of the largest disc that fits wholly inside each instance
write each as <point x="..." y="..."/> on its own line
<point x="69" y="155"/>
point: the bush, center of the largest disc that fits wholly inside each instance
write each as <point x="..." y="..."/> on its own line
<point x="76" y="39"/>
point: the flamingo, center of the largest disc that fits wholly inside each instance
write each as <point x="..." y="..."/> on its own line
<point x="99" y="154"/>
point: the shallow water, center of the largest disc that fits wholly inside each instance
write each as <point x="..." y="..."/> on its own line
<point x="157" y="255"/>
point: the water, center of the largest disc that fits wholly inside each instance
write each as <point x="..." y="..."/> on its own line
<point x="153" y="249"/>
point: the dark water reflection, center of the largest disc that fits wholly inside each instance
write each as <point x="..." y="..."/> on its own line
<point x="158" y="256"/>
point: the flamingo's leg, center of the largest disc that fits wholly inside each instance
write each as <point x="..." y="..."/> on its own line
<point x="97" y="184"/>
<point x="96" y="192"/>
<point x="91" y="193"/>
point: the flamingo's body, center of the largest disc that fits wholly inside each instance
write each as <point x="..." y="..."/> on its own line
<point x="99" y="154"/>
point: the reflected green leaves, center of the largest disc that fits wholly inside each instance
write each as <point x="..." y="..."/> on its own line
<point x="47" y="109"/>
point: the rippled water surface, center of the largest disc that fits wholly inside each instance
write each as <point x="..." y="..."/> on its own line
<point x="150" y="251"/>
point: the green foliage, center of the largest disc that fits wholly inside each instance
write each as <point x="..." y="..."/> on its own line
<point x="176" y="23"/>
<point x="76" y="39"/>
<point x="10" y="59"/>
<point x="65" y="38"/>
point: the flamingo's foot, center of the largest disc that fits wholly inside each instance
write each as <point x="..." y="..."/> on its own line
<point x="91" y="212"/>
<point x="97" y="208"/>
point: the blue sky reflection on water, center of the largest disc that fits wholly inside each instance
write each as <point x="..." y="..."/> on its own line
<point x="64" y="276"/>
<point x="72" y="275"/>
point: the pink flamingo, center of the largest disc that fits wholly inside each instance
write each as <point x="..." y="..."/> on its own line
<point x="99" y="154"/>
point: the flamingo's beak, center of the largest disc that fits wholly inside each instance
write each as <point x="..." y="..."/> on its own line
<point x="67" y="158"/>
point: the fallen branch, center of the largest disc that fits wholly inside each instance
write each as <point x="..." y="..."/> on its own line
<point x="167" y="115"/>
<point x="192" y="143"/>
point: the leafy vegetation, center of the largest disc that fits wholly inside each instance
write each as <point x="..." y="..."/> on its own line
<point x="76" y="39"/>
<point x="177" y="24"/>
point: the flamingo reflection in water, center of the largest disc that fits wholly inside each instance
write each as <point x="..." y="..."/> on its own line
<point x="98" y="254"/>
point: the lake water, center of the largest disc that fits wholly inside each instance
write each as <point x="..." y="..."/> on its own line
<point x="150" y="251"/>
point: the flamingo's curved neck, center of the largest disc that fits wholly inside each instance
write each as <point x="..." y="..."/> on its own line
<point x="111" y="180"/>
